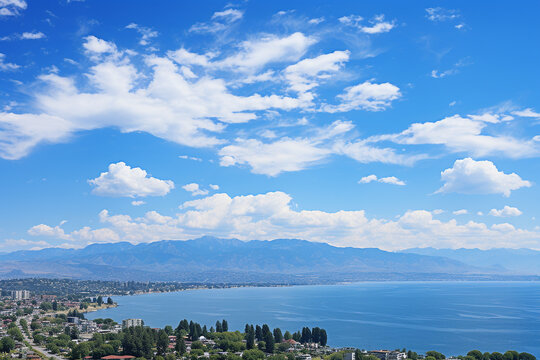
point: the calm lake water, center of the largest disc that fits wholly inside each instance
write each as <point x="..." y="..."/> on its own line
<point x="451" y="317"/>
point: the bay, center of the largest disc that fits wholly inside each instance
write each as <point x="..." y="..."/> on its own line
<point x="450" y="317"/>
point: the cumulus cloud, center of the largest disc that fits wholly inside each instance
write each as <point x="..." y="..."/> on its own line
<point x="465" y="134"/>
<point x="271" y="159"/>
<point x="169" y="106"/>
<point x="137" y="202"/>
<point x="194" y="189"/>
<point x="308" y="73"/>
<point x="256" y="53"/>
<point x="294" y="154"/>
<point x="386" y="180"/>
<point x="377" y="25"/>
<point x="468" y="176"/>
<point x="123" y="181"/>
<point x="461" y="212"/>
<point x="12" y="7"/>
<point x="273" y="215"/>
<point x="96" y="45"/>
<point x="505" y="211"/>
<point x="365" y="96"/>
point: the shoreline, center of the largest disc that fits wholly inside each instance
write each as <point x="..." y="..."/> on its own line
<point x="139" y="293"/>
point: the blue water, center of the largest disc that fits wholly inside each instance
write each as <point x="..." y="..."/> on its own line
<point x="451" y="317"/>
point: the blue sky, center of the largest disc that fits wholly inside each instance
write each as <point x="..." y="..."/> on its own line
<point x="366" y="124"/>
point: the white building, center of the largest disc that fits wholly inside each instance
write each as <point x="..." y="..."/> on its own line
<point x="20" y="294"/>
<point x="131" y="322"/>
<point x="349" y="356"/>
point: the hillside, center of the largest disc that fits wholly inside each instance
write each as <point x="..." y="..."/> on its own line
<point x="210" y="259"/>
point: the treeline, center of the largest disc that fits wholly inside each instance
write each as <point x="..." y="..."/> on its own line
<point x="471" y="355"/>
<point x="143" y="342"/>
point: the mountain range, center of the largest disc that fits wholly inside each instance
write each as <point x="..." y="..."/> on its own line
<point x="213" y="260"/>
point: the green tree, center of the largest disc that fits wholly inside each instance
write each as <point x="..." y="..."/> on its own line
<point x="278" y="336"/>
<point x="7" y="344"/>
<point x="169" y="330"/>
<point x="15" y="333"/>
<point x="258" y="333"/>
<point x="511" y="355"/>
<point x="99" y="300"/>
<point x="224" y="326"/>
<point x="323" y="337"/>
<point x="526" y="356"/>
<point x="162" y="342"/>
<point x="496" y="356"/>
<point x="268" y="338"/>
<point x="476" y="354"/>
<point x="288" y="335"/>
<point x="253" y="354"/>
<point x="110" y="301"/>
<point x="250" y="338"/>
<point x="180" y="346"/>
<point x="55" y="306"/>
<point x="437" y="355"/>
<point x="219" y="326"/>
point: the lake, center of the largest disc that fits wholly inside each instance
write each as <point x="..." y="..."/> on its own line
<point x="450" y="317"/>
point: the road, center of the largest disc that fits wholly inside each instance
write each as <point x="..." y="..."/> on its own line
<point x="34" y="346"/>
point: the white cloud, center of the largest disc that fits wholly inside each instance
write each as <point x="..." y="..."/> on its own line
<point x="460" y="212"/>
<point x="527" y="113"/>
<point x="293" y="154"/>
<point x="505" y="211"/>
<point x="168" y="105"/>
<point x="32" y="35"/>
<point x="194" y="189"/>
<point x="186" y="57"/>
<point x="186" y="157"/>
<point x="366" y="96"/>
<point x="95" y="45"/>
<point x="378" y="24"/>
<point x="386" y="180"/>
<point x="229" y="15"/>
<point x="465" y="134"/>
<point x="363" y="152"/>
<point x="122" y="180"/>
<point x="254" y="54"/>
<point x="12" y="7"/>
<point x="22" y="244"/>
<point x="137" y="202"/>
<point x="452" y="71"/>
<point x="273" y="215"/>
<point x="146" y="33"/>
<point x="46" y="230"/>
<point x="468" y="176"/>
<point x="271" y="159"/>
<point x="316" y="21"/>
<point x="308" y="73"/>
<point x="221" y="20"/>
<point x="440" y="14"/>
<point x="214" y="187"/>
<point x="6" y="66"/>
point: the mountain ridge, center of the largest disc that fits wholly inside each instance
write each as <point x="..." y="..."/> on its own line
<point x="224" y="259"/>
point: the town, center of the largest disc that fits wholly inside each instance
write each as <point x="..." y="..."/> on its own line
<point x="37" y="326"/>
